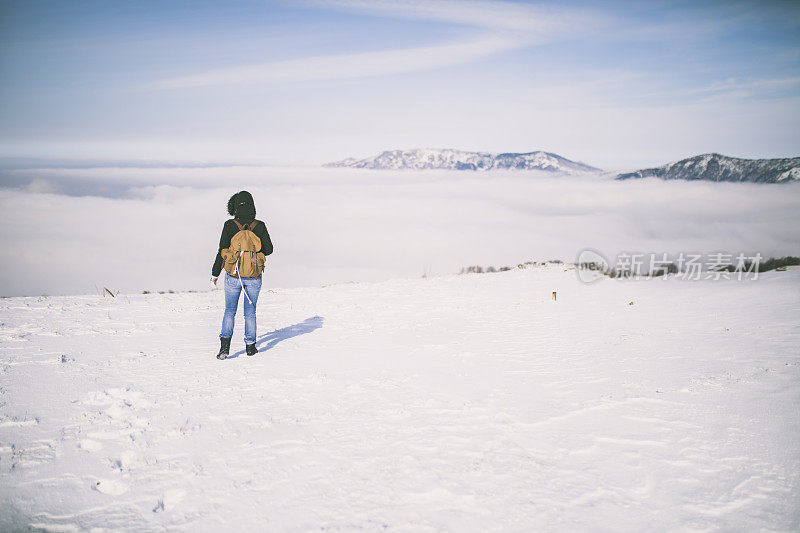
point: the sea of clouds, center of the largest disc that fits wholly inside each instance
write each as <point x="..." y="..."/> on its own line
<point x="135" y="228"/>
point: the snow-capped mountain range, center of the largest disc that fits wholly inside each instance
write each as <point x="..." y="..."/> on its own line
<point x="424" y="158"/>
<point x="717" y="167"/>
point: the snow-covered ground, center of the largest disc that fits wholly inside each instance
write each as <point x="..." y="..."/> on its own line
<point x="458" y="403"/>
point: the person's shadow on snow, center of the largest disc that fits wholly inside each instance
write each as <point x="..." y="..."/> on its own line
<point x="269" y="340"/>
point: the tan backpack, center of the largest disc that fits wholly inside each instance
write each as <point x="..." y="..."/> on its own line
<point x="243" y="257"/>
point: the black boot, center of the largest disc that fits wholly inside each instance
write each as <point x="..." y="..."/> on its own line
<point x="251" y="349"/>
<point x="224" y="347"/>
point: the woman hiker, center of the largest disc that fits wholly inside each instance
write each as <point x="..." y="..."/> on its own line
<point x="242" y="246"/>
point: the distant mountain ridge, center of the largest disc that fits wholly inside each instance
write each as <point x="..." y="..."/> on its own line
<point x="425" y="158"/>
<point x="718" y="167"/>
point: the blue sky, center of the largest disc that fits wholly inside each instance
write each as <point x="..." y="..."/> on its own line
<point x="614" y="84"/>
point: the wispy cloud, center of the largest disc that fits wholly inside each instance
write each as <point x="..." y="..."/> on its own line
<point x="343" y="66"/>
<point x="734" y="88"/>
<point x="499" y="27"/>
<point x="771" y="83"/>
<point x="498" y="15"/>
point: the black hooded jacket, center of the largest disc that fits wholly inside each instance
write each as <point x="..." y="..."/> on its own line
<point x="242" y="207"/>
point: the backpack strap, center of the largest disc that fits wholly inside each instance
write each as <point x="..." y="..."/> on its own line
<point x="250" y="225"/>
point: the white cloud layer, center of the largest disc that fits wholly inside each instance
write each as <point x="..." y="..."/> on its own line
<point x="338" y="225"/>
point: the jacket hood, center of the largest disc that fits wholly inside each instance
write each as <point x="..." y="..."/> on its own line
<point x="241" y="206"/>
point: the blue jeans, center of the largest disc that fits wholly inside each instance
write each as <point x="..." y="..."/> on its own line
<point x="233" y="289"/>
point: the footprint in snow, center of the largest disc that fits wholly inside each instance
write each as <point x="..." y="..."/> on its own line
<point x="169" y="500"/>
<point x="111" y="487"/>
<point x="90" y="445"/>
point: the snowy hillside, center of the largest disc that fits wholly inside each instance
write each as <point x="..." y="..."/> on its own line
<point x="461" y="403"/>
<point x="716" y="167"/>
<point x="426" y="158"/>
